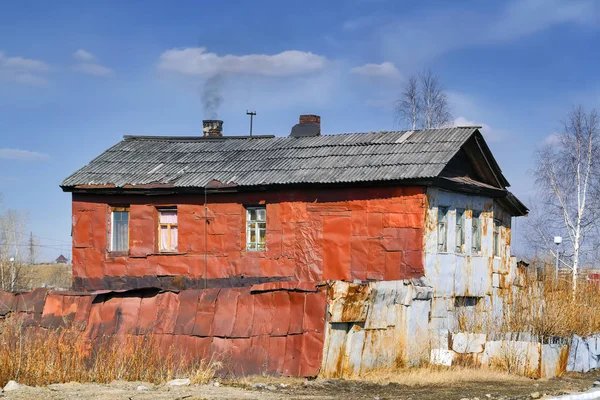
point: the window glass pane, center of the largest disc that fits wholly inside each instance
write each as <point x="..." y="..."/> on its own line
<point x="497" y="248"/>
<point x="442" y="228"/>
<point x="168" y="216"/>
<point x="256" y="228"/>
<point x="460" y="232"/>
<point x="261" y="214"/>
<point x="173" y="238"/>
<point x="476" y="232"/>
<point x="120" y="231"/>
<point x="164" y="238"/>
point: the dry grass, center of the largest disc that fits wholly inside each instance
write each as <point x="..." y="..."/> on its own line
<point x="40" y="357"/>
<point x="436" y="375"/>
<point x="54" y="276"/>
<point x="551" y="308"/>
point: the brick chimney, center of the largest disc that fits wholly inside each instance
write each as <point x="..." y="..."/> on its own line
<point x="309" y="125"/>
<point x="310" y="119"/>
<point x="212" y="127"/>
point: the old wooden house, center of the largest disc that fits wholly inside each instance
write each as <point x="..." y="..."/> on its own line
<point x="296" y="255"/>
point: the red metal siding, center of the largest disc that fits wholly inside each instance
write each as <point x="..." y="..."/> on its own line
<point x="343" y="234"/>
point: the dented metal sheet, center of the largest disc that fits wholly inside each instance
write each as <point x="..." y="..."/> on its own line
<point x="393" y="332"/>
<point x="278" y="331"/>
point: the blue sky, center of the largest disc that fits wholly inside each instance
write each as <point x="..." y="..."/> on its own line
<point x="75" y="76"/>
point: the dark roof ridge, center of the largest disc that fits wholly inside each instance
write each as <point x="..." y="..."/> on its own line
<point x="212" y="138"/>
<point x="192" y="138"/>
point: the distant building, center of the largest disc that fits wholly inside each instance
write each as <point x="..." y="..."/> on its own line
<point x="61" y="260"/>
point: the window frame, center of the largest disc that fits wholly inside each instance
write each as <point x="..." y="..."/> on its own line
<point x="476" y="232"/>
<point x="169" y="226"/>
<point x="460" y="245"/>
<point x="256" y="246"/>
<point x="496" y="236"/>
<point x="442" y="210"/>
<point x="113" y="210"/>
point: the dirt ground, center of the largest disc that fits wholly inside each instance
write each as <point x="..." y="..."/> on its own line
<point x="268" y="388"/>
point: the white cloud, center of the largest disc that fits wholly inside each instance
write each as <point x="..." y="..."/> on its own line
<point x="196" y="61"/>
<point x="93" y="69"/>
<point x="486" y="130"/>
<point x="551" y="140"/>
<point x="22" y="70"/>
<point x="84" y="55"/>
<point x="21" y="155"/>
<point x="385" y="70"/>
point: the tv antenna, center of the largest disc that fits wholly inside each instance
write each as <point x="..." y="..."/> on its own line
<point x="251" y="114"/>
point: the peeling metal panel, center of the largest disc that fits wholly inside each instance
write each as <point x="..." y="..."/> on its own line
<point x="394" y="332"/>
<point x="278" y="331"/>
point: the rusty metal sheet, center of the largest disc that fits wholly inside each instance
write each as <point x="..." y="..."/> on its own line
<point x="263" y="314"/>
<point x="148" y="313"/>
<point x="188" y="306"/>
<point x="8" y="303"/>
<point x="335" y="343"/>
<point x="168" y="307"/>
<point x="348" y="302"/>
<point x="259" y="353"/>
<point x="242" y="364"/>
<point x="297" y="300"/>
<point x="312" y="353"/>
<point x="32" y="302"/>
<point x="277" y="350"/>
<point x="293" y="355"/>
<point x="203" y="323"/>
<point x="225" y="312"/>
<point x="314" y="311"/>
<point x="127" y="315"/>
<point x="281" y="313"/>
<point x="244" y="315"/>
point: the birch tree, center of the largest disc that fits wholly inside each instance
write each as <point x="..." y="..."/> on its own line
<point x="423" y="103"/>
<point x="12" y="239"/>
<point x="567" y="176"/>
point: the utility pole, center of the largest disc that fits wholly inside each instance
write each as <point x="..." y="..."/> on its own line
<point x="31" y="249"/>
<point x="251" y="114"/>
<point x="557" y="242"/>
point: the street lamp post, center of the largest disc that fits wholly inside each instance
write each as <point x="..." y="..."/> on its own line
<point x="557" y="242"/>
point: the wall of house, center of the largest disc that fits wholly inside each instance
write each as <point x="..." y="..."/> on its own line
<point x="274" y="328"/>
<point x="468" y="283"/>
<point x="312" y="235"/>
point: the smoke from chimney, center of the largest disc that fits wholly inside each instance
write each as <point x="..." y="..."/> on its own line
<point x="211" y="96"/>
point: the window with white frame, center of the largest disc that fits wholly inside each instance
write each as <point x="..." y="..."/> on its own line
<point x="119" y="229"/>
<point x="256" y="228"/>
<point x="497" y="246"/>
<point x="442" y="229"/>
<point x="460" y="230"/>
<point x="476" y="232"/>
<point x="167" y="230"/>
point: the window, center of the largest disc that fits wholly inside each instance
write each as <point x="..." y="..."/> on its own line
<point x="476" y="233"/>
<point x="167" y="230"/>
<point x="442" y="228"/>
<point x="256" y="228"/>
<point x="460" y="230"/>
<point x="119" y="219"/>
<point x="497" y="247"/>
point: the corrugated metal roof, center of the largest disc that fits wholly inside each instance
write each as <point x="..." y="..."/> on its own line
<point x="195" y="162"/>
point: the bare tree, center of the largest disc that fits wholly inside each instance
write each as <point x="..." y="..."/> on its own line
<point x="423" y="104"/>
<point x="568" y="180"/>
<point x="12" y="234"/>
<point x="408" y="106"/>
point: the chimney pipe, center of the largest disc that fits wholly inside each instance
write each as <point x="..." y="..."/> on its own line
<point x="308" y="125"/>
<point x="212" y="127"/>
